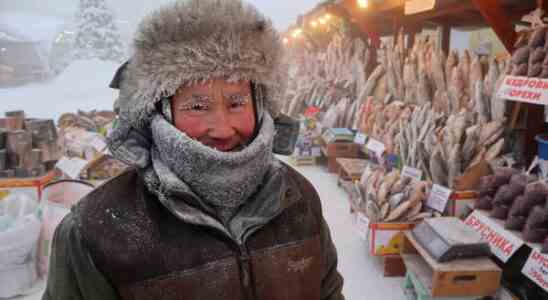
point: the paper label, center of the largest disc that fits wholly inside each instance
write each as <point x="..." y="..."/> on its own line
<point x="360" y="138"/>
<point x="376" y="147"/>
<point x="536" y="269"/>
<point x="412" y="172"/>
<point x="71" y="166"/>
<point x="524" y="89"/>
<point x="503" y="243"/>
<point x="439" y="197"/>
<point x="361" y="224"/>
<point x="316" y="151"/>
<point x="98" y="144"/>
<point x="543" y="164"/>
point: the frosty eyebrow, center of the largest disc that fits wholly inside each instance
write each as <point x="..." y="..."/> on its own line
<point x="197" y="98"/>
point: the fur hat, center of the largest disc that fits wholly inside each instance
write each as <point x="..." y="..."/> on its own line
<point x="191" y="41"/>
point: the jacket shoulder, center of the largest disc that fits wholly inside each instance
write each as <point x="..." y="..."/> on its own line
<point x="108" y="212"/>
<point x="304" y="187"/>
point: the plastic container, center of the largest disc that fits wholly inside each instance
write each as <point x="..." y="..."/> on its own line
<point x="542" y="140"/>
<point x="58" y="197"/>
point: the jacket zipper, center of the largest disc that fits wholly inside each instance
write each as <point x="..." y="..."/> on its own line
<point x="246" y="273"/>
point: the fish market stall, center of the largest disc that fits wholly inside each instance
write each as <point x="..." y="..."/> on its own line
<point x="433" y="123"/>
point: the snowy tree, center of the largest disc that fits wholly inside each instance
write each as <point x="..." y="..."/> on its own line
<point x="97" y="35"/>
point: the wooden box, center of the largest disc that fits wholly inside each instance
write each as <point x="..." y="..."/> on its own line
<point x="459" y="278"/>
<point x="394" y="266"/>
<point x="348" y="150"/>
<point x="351" y="168"/>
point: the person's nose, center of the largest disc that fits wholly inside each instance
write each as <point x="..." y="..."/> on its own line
<point x="221" y="126"/>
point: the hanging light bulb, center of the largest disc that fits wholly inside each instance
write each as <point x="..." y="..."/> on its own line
<point x="327" y="17"/>
<point x="363" y="3"/>
<point x="314" y="24"/>
<point x="285" y="41"/>
<point x="297" y="32"/>
<point x="323" y="21"/>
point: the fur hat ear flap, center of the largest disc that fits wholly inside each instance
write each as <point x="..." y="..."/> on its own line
<point x="117" y="79"/>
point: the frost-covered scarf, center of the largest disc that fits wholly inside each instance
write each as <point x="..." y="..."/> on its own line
<point x="223" y="180"/>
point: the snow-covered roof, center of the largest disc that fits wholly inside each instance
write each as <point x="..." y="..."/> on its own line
<point x="6" y="36"/>
<point x="29" y="27"/>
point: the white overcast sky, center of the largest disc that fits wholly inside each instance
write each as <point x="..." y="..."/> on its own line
<point x="282" y="12"/>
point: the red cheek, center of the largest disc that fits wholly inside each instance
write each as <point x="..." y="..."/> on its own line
<point x="194" y="127"/>
<point x="246" y="126"/>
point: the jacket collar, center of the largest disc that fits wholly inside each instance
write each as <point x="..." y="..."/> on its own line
<point x="277" y="193"/>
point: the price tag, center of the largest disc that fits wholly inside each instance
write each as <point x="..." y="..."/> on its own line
<point x="71" y="166"/>
<point x="376" y="147"/>
<point x="524" y="89"/>
<point x="316" y="151"/>
<point x="362" y="226"/>
<point x="544" y="168"/>
<point x="439" y="197"/>
<point x="536" y="269"/>
<point x="360" y="138"/>
<point x="412" y="173"/>
<point x="503" y="243"/>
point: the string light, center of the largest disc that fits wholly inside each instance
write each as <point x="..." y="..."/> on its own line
<point x="314" y="24"/>
<point x="285" y="41"/>
<point x="363" y="3"/>
<point x="323" y="21"/>
<point x="327" y="17"/>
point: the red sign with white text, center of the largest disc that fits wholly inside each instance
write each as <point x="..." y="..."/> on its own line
<point x="536" y="268"/>
<point x="503" y="243"/>
<point x="524" y="89"/>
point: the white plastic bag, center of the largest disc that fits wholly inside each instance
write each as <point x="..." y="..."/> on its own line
<point x="18" y="244"/>
<point x="57" y="199"/>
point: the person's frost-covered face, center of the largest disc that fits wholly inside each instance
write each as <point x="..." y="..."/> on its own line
<point x="217" y="113"/>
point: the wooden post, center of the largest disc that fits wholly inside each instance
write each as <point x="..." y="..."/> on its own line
<point x="445" y="38"/>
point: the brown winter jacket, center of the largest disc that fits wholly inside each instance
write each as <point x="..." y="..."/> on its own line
<point x="120" y="242"/>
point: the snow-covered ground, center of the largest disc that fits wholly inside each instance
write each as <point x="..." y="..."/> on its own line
<point x="83" y="85"/>
<point x="363" y="273"/>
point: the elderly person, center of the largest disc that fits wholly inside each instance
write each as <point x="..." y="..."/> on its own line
<point x="206" y="211"/>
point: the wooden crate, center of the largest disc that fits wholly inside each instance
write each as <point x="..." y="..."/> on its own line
<point x="394" y="266"/>
<point x="414" y="290"/>
<point x="351" y="168"/>
<point x="459" y="278"/>
<point x="339" y="150"/>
